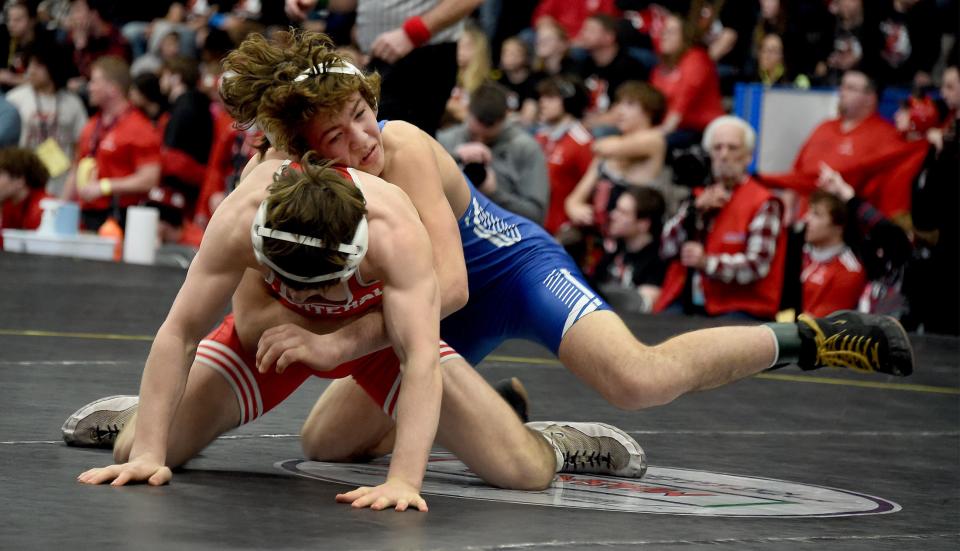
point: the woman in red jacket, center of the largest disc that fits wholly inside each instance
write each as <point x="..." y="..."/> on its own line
<point x="688" y="78"/>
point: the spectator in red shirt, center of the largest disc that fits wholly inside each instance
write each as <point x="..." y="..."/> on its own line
<point x="863" y="147"/>
<point x="571" y="14"/>
<point x="565" y="142"/>
<point x="688" y="78"/>
<point x="882" y="247"/>
<point x="728" y="245"/>
<point x="832" y="278"/>
<point x="118" y="153"/>
<point x="23" y="182"/>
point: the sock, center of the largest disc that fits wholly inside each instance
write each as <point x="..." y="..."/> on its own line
<point x="559" y="456"/>
<point x="556" y="449"/>
<point x="787" y="344"/>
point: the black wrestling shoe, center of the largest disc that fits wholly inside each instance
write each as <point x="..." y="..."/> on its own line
<point x="97" y="424"/>
<point x="515" y="394"/>
<point x="862" y="342"/>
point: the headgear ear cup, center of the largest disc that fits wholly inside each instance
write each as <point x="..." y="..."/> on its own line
<point x="355" y="250"/>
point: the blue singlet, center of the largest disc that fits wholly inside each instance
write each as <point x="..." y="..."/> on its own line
<point x="523" y="285"/>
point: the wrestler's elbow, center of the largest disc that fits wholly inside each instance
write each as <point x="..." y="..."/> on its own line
<point x="459" y="294"/>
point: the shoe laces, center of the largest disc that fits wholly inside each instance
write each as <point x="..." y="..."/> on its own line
<point x="105" y="433"/>
<point x="579" y="460"/>
<point x="857" y="352"/>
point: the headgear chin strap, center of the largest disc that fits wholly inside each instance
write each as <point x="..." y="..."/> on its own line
<point x="343" y="67"/>
<point x="355" y="250"/>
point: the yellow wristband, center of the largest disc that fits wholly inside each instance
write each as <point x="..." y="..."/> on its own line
<point x="105" y="187"/>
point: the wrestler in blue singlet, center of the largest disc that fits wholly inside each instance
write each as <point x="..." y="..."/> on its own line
<point x="523" y="285"/>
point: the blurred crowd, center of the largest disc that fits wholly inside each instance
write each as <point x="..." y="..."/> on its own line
<point x="606" y="121"/>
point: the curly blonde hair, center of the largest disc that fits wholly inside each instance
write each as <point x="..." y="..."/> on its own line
<point x="259" y="85"/>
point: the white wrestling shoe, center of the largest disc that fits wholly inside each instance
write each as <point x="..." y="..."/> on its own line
<point x="594" y="448"/>
<point x="97" y="424"/>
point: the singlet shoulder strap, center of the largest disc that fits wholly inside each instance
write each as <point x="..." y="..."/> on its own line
<point x="355" y="178"/>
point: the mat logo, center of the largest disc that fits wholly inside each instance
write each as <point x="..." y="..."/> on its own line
<point x="662" y="490"/>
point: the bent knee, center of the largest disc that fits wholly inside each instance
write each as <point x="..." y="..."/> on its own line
<point x="633" y="393"/>
<point x="329" y="448"/>
<point x="521" y="479"/>
<point x="315" y="451"/>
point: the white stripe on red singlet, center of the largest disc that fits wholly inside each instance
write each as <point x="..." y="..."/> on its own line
<point x="447" y="353"/>
<point x="389" y="405"/>
<point x="231" y="379"/>
<point x="246" y="391"/>
<point x="245" y="371"/>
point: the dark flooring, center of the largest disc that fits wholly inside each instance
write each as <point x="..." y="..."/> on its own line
<point x="72" y="331"/>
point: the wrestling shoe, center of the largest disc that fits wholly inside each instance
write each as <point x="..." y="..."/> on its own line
<point x="97" y="424"/>
<point x="594" y="448"/>
<point x="513" y="391"/>
<point x="862" y="342"/>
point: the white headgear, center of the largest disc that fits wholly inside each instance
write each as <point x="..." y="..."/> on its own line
<point x="355" y="250"/>
<point x="344" y="67"/>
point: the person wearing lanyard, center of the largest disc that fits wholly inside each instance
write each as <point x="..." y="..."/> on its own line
<point x="52" y="116"/>
<point x="118" y="154"/>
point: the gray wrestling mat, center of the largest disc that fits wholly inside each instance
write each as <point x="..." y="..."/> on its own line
<point x="785" y="460"/>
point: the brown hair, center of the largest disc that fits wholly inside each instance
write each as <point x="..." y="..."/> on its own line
<point x="649" y="204"/>
<point x="689" y="37"/>
<point x="187" y="68"/>
<point x="19" y="162"/>
<point x="568" y="88"/>
<point x="488" y="103"/>
<point x="258" y="85"/>
<point x="835" y="207"/>
<point x="551" y="24"/>
<point x="651" y="100"/>
<point x="317" y="201"/>
<point x="115" y="70"/>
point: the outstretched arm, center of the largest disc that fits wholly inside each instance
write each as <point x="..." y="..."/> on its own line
<point x="411" y="307"/>
<point x="211" y="280"/>
<point x="636" y="145"/>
